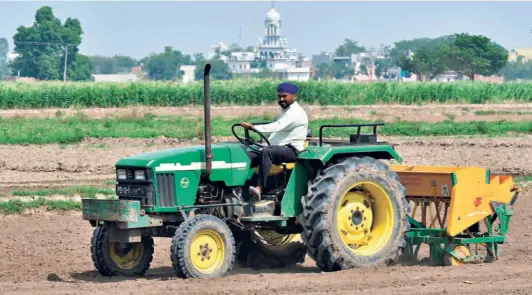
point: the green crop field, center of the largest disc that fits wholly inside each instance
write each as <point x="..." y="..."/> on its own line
<point x="15" y="95"/>
<point x="75" y="128"/>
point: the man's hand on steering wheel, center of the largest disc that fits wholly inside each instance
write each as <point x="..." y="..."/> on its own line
<point x="248" y="141"/>
<point x="247" y="125"/>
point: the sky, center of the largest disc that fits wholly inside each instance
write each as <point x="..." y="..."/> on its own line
<point x="139" y="28"/>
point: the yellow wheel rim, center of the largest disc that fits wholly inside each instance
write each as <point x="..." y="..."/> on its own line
<point x="365" y="218"/>
<point x="275" y="239"/>
<point x="126" y="255"/>
<point x="207" y="251"/>
<point x="462" y="252"/>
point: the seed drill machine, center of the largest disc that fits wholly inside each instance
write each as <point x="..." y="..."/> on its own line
<point x="342" y="203"/>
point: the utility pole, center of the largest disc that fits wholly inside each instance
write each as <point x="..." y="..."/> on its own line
<point x="65" y="70"/>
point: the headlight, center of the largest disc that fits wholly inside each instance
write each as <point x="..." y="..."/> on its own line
<point x="121" y="174"/>
<point x="139" y="174"/>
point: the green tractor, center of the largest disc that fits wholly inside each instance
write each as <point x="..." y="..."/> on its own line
<point x="339" y="203"/>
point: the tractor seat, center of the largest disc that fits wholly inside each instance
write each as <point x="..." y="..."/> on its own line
<point x="276" y="169"/>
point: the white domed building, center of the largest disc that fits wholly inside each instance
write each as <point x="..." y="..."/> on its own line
<point x="274" y="49"/>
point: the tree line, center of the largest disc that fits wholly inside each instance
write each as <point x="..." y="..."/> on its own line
<point x="44" y="47"/>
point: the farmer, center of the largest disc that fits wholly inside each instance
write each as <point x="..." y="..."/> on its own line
<point x="287" y="136"/>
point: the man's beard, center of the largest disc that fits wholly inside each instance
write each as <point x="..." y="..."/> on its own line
<point x="282" y="104"/>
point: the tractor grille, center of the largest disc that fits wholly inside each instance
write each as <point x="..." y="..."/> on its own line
<point x="132" y="189"/>
<point x="166" y="189"/>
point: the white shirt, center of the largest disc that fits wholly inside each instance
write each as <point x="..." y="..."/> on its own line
<point x="291" y="127"/>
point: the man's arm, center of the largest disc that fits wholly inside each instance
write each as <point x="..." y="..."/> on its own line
<point x="276" y="126"/>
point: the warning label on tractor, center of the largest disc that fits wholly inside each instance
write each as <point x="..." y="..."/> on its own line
<point x="445" y="190"/>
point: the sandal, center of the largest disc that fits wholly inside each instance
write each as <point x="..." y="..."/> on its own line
<point x="254" y="192"/>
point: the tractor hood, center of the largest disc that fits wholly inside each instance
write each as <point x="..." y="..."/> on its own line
<point x="225" y="156"/>
<point x="230" y="162"/>
<point x="153" y="159"/>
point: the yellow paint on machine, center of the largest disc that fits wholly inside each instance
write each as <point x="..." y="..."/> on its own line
<point x="470" y="190"/>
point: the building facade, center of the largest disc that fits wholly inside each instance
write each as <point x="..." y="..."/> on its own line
<point x="273" y="48"/>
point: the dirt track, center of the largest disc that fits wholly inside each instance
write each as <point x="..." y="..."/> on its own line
<point x="49" y="252"/>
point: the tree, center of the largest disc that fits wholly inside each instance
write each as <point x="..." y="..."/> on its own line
<point x="518" y="70"/>
<point x="476" y="54"/>
<point x="428" y="63"/>
<point x="219" y="69"/>
<point x="41" y="47"/>
<point x="165" y="65"/>
<point x="403" y="51"/>
<point x="340" y="70"/>
<point x="113" y="65"/>
<point x="264" y="74"/>
<point x="381" y="65"/>
<point x="80" y="68"/>
<point x="4" y="50"/>
<point x="349" y="47"/>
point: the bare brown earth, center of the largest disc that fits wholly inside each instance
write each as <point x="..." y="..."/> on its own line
<point x="92" y="161"/>
<point x="426" y="113"/>
<point x="48" y="253"/>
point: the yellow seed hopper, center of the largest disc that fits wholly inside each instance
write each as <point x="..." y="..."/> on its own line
<point x="460" y="196"/>
<point x="452" y="201"/>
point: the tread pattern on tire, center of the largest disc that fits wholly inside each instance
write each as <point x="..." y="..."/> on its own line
<point x="318" y="203"/>
<point x="179" y="252"/>
<point x="102" y="261"/>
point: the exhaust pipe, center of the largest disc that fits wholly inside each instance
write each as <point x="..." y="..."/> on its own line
<point x="207" y="118"/>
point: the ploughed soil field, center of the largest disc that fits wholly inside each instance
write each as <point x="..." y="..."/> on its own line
<point x="49" y="253"/>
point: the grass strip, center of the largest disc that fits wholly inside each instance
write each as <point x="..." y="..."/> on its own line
<point x="501" y="112"/>
<point x="16" y="206"/>
<point x="521" y="179"/>
<point x="74" y="129"/>
<point x="83" y="191"/>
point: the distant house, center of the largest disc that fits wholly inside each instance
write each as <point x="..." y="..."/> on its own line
<point x="240" y="62"/>
<point x="450" y="76"/>
<point x="188" y="73"/>
<point x="129" y="77"/>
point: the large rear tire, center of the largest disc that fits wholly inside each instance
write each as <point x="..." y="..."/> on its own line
<point x="203" y="247"/>
<point x="114" y="258"/>
<point x="355" y="214"/>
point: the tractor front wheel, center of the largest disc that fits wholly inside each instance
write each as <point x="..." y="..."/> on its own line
<point x="355" y="214"/>
<point x="117" y="258"/>
<point x="202" y="247"/>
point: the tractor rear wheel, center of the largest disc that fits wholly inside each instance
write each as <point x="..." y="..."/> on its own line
<point x="269" y="249"/>
<point x="203" y="247"/>
<point x="355" y="214"/>
<point x="116" y="258"/>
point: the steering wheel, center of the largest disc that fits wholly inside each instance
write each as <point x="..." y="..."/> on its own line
<point x="247" y="141"/>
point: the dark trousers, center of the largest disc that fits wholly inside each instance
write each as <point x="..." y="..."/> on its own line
<point x="274" y="154"/>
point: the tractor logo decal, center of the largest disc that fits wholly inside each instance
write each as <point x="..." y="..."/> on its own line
<point x="184" y="182"/>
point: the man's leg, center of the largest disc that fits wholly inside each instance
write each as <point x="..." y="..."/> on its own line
<point x="276" y="154"/>
<point x="254" y="157"/>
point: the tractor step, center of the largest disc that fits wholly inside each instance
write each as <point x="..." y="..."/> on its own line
<point x="261" y="208"/>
